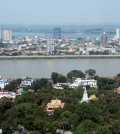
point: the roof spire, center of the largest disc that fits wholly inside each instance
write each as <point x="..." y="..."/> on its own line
<point x="85" y="96"/>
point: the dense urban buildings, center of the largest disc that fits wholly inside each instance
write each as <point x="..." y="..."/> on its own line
<point x="56" y="43"/>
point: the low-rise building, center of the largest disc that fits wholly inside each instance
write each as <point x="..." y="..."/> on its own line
<point x="60" y="85"/>
<point x="80" y="82"/>
<point x="26" y="82"/>
<point x="3" y="83"/>
<point x="8" y="94"/>
<point x="53" y="105"/>
<point x="20" y="91"/>
<point x="118" y="90"/>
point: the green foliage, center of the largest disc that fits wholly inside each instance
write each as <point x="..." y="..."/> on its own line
<point x="5" y="104"/>
<point x="116" y="127"/>
<point x="34" y="132"/>
<point x="54" y="77"/>
<point x="91" y="73"/>
<point x="29" y="110"/>
<point x="87" y="111"/>
<point x="103" y="130"/>
<point x="85" y="127"/>
<point x="58" y="78"/>
<point x="118" y="75"/>
<point x="28" y="97"/>
<point x="13" y="85"/>
<point x="39" y="83"/>
<point x="61" y="78"/>
<point x="106" y="84"/>
<point x="76" y="74"/>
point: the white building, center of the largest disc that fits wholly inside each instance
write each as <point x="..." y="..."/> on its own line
<point x="27" y="82"/>
<point x="6" y="35"/>
<point x="5" y="93"/>
<point x="51" y="48"/>
<point x="60" y="85"/>
<point x="80" y="82"/>
<point x="117" y="34"/>
<point x="3" y="83"/>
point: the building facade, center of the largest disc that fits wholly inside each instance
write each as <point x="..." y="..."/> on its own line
<point x="6" y="35"/>
<point x="57" y="33"/>
<point x="104" y="39"/>
<point x="117" y="34"/>
<point x="79" y="82"/>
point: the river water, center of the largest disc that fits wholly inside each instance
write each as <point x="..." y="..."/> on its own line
<point x="39" y="68"/>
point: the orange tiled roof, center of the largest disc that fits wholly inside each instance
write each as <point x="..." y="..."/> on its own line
<point x="118" y="89"/>
<point x="55" y="104"/>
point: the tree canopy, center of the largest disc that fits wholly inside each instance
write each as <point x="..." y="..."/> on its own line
<point x="101" y="116"/>
<point x="75" y="74"/>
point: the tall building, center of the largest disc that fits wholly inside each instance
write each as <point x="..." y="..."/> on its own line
<point x="117" y="34"/>
<point x="6" y="35"/>
<point x="104" y="39"/>
<point x="0" y="34"/>
<point x="56" y="33"/>
<point x="51" y="48"/>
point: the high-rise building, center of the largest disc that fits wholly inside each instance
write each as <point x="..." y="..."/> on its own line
<point x="51" y="48"/>
<point x="56" y="33"/>
<point x="6" y="35"/>
<point x="117" y="33"/>
<point x="104" y="39"/>
<point x="0" y="34"/>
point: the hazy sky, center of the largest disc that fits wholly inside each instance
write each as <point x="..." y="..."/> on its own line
<point x="60" y="12"/>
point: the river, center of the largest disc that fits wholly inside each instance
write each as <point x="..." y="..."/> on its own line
<point x="38" y="68"/>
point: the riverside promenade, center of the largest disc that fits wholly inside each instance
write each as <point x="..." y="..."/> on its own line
<point x="60" y="57"/>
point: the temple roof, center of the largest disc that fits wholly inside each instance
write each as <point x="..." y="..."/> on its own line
<point x="55" y="104"/>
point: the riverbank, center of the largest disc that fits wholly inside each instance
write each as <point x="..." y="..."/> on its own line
<point x="60" y="57"/>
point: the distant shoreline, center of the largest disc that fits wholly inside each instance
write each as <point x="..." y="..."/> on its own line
<point x="60" y="57"/>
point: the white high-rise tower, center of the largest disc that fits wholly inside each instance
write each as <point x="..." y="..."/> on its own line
<point x="6" y="35"/>
<point x="117" y="33"/>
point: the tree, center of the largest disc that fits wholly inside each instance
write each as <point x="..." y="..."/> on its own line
<point x="54" y="77"/>
<point x="5" y="103"/>
<point x="23" y="113"/>
<point x="27" y="98"/>
<point x="116" y="127"/>
<point x="76" y="74"/>
<point x="87" y="111"/>
<point x="85" y="127"/>
<point x="103" y="130"/>
<point x="34" y="132"/>
<point x="39" y="83"/>
<point x="13" y="85"/>
<point x="64" y="120"/>
<point x="61" y="78"/>
<point x="91" y="73"/>
<point x="106" y="84"/>
<point x="118" y="75"/>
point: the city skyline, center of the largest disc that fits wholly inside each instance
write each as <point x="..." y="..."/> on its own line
<point x="62" y="12"/>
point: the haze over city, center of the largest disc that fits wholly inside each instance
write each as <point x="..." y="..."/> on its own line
<point x="79" y="12"/>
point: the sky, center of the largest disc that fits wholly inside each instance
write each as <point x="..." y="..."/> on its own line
<point x="61" y="12"/>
